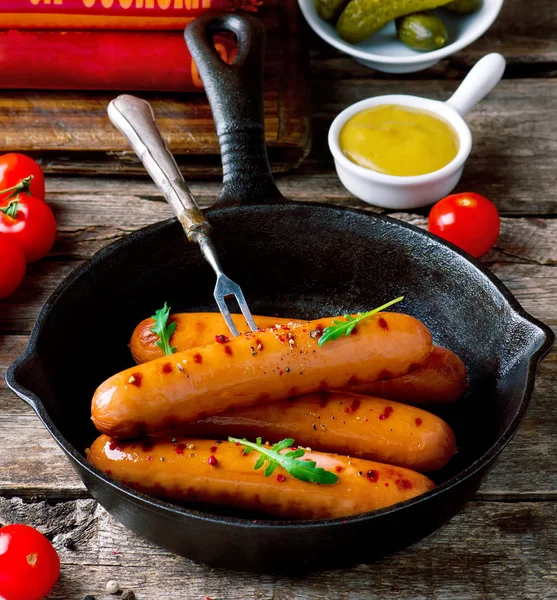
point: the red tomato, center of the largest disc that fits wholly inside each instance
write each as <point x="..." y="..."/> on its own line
<point x="14" y="168"/>
<point x="29" y="565"/>
<point x="468" y="220"/>
<point x="29" y="222"/>
<point x="12" y="266"/>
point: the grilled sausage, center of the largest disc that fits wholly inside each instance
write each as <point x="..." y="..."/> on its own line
<point x="344" y="423"/>
<point x="255" y="368"/>
<point x="192" y="329"/>
<point x="440" y="380"/>
<point x="184" y="471"/>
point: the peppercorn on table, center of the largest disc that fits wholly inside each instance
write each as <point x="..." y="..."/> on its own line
<point x="503" y="544"/>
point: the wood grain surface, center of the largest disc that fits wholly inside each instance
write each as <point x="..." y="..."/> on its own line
<point x="71" y="130"/>
<point x="503" y="545"/>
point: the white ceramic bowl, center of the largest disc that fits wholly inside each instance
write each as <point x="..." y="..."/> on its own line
<point x="384" y="52"/>
<point x="402" y="193"/>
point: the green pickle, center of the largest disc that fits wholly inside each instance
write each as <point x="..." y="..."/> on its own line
<point x="362" y="18"/>
<point x="464" y="7"/>
<point x="422" y="31"/>
<point x="330" y="9"/>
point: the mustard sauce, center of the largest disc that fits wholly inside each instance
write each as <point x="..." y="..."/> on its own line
<point x="399" y="140"/>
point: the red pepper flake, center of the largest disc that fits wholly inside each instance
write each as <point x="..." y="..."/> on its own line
<point x="387" y="413"/>
<point x="386" y="485"/>
<point x="259" y="345"/>
<point x="281" y="338"/>
<point x="404" y="484"/>
<point x="135" y="379"/>
<point x="149" y="458"/>
<point x="418" y="422"/>
<point x="180" y="449"/>
<point x="317" y="332"/>
<point x="303" y="330"/>
<point x="167" y="368"/>
<point x="198" y="358"/>
<point x="338" y="469"/>
<point x="373" y="476"/>
<point x="281" y="373"/>
<point x="228" y="350"/>
<point x="285" y="328"/>
<point x="212" y="460"/>
<point x="222" y="339"/>
<point x="236" y="443"/>
<point x="116" y="553"/>
<point x="383" y="324"/>
<point x="213" y="449"/>
<point x="108" y="472"/>
<point x="281" y="478"/>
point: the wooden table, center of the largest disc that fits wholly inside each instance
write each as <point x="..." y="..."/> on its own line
<point x="504" y="544"/>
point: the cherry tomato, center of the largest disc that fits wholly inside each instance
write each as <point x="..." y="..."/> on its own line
<point x="12" y="266"/>
<point x="30" y="223"/>
<point x="14" y="168"/>
<point x="29" y="564"/>
<point x="468" y="220"/>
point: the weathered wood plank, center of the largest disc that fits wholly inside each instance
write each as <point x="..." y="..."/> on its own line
<point x="512" y="130"/>
<point x="489" y="551"/>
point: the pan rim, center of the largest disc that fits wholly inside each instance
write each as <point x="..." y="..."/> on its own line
<point x="546" y="341"/>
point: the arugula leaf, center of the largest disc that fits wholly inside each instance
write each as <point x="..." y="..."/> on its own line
<point x="163" y="330"/>
<point x="340" y="328"/>
<point x="305" y="470"/>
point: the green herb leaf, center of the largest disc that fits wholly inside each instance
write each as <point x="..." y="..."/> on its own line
<point x="340" y="328"/>
<point x="163" y="330"/>
<point x="305" y="470"/>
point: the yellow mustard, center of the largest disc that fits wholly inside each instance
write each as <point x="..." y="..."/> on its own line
<point x="398" y="140"/>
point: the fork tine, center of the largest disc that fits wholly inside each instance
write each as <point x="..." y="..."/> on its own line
<point x="239" y="295"/>
<point x="225" y="313"/>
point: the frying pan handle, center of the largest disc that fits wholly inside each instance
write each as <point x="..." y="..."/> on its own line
<point x="235" y="93"/>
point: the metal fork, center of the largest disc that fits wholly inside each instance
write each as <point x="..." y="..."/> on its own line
<point x="134" y="118"/>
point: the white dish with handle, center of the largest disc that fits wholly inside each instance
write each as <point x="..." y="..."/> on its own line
<point x="400" y="192"/>
<point x="385" y="52"/>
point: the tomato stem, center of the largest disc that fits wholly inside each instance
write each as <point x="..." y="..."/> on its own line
<point x="21" y="186"/>
<point x="12" y="209"/>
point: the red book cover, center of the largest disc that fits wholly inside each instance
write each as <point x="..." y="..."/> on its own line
<point x="101" y="60"/>
<point x="110" y="14"/>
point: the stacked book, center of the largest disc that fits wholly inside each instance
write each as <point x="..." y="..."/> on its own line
<point x="104" y="44"/>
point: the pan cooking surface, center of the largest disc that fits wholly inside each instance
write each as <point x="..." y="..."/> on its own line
<point x="299" y="262"/>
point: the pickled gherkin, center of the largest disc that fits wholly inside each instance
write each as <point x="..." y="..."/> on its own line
<point x="464" y="7"/>
<point x="362" y="18"/>
<point x="330" y="9"/>
<point x="422" y="31"/>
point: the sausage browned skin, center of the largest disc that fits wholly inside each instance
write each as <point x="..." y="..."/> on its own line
<point x="255" y="368"/>
<point x="441" y="379"/>
<point x="344" y="423"/>
<point x="183" y="471"/>
<point x="192" y="330"/>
